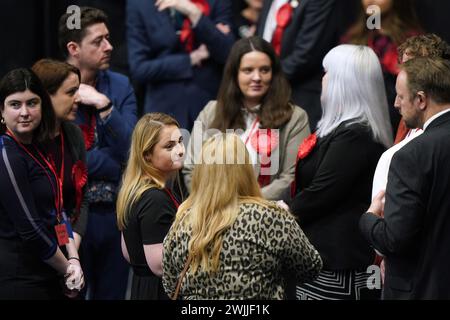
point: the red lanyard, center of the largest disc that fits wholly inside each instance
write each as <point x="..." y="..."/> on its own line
<point x="174" y="200"/>
<point x="255" y="122"/>
<point x="61" y="171"/>
<point x="56" y="191"/>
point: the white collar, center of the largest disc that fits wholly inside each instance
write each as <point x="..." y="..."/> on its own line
<point x="255" y="109"/>
<point x="437" y="115"/>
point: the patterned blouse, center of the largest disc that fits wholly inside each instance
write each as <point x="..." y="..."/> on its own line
<point x="263" y="244"/>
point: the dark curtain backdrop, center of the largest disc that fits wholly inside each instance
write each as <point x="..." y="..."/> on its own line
<point x="28" y="30"/>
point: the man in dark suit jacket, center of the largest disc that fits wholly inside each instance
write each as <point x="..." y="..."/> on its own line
<point x="311" y="33"/>
<point x="414" y="234"/>
<point x="178" y="82"/>
<point x="107" y="116"/>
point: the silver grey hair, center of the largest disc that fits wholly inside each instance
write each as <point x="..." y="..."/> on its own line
<point x="354" y="91"/>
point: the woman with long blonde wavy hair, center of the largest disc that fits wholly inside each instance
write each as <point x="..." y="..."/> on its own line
<point x="238" y="243"/>
<point x="145" y="206"/>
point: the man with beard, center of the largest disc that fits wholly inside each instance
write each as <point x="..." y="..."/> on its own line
<point x="411" y="228"/>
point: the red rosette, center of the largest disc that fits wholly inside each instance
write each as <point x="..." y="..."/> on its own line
<point x="264" y="141"/>
<point x="88" y="135"/>
<point x="79" y="177"/>
<point x="187" y="36"/>
<point x="307" y="146"/>
<point x="284" y="15"/>
<point x="186" y="33"/>
<point x="390" y="60"/>
<point x="283" y="18"/>
<point x="203" y="5"/>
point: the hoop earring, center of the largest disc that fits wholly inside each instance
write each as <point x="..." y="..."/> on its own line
<point x="2" y="121"/>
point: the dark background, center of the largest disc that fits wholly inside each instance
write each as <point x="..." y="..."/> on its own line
<point x="28" y="28"/>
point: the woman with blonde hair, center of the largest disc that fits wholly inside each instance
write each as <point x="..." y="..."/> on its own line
<point x="236" y="244"/>
<point x="145" y="206"/>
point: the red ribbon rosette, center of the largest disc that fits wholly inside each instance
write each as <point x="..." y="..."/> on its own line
<point x="284" y="17"/>
<point x="303" y="151"/>
<point x="390" y="60"/>
<point x="186" y="34"/>
<point x="88" y="135"/>
<point x="307" y="146"/>
<point x="88" y="130"/>
<point x="79" y="178"/>
<point x="264" y="141"/>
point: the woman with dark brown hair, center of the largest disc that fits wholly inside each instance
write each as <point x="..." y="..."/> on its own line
<point x="66" y="149"/>
<point x="33" y="231"/>
<point x="255" y="101"/>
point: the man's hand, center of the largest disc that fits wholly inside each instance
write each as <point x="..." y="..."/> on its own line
<point x="377" y="205"/>
<point x="91" y="97"/>
<point x="198" y="55"/>
<point x="185" y="7"/>
<point x="283" y="205"/>
<point x="224" y="28"/>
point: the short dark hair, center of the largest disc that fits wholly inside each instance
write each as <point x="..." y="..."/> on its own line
<point x="425" y="45"/>
<point x="89" y="16"/>
<point x="275" y="110"/>
<point x="19" y="80"/>
<point x="430" y="75"/>
<point x="53" y="73"/>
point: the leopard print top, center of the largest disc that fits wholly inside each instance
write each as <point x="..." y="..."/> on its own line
<point x="261" y="245"/>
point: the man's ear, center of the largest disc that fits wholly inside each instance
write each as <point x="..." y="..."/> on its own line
<point x="422" y="100"/>
<point x="73" y="49"/>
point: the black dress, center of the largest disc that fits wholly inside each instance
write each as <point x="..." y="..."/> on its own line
<point x="148" y="223"/>
<point x="334" y="184"/>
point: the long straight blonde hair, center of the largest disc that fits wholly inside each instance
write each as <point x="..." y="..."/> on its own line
<point x="140" y="174"/>
<point x="221" y="181"/>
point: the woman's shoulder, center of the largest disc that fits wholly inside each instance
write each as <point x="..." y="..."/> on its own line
<point x="153" y="200"/>
<point x="298" y="116"/>
<point x="73" y="132"/>
<point x="353" y="128"/>
<point x="13" y="156"/>
<point x="11" y="148"/>
<point x="298" y="112"/>
<point x="154" y="193"/>
<point x="70" y="128"/>
<point x="355" y="133"/>
<point x="265" y="209"/>
<point x="206" y="116"/>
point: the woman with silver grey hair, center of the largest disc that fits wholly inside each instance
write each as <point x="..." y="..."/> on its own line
<point x="334" y="169"/>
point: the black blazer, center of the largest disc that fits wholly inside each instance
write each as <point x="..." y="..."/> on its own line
<point x="415" y="232"/>
<point x="333" y="185"/>
<point x="78" y="152"/>
<point x="311" y="33"/>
